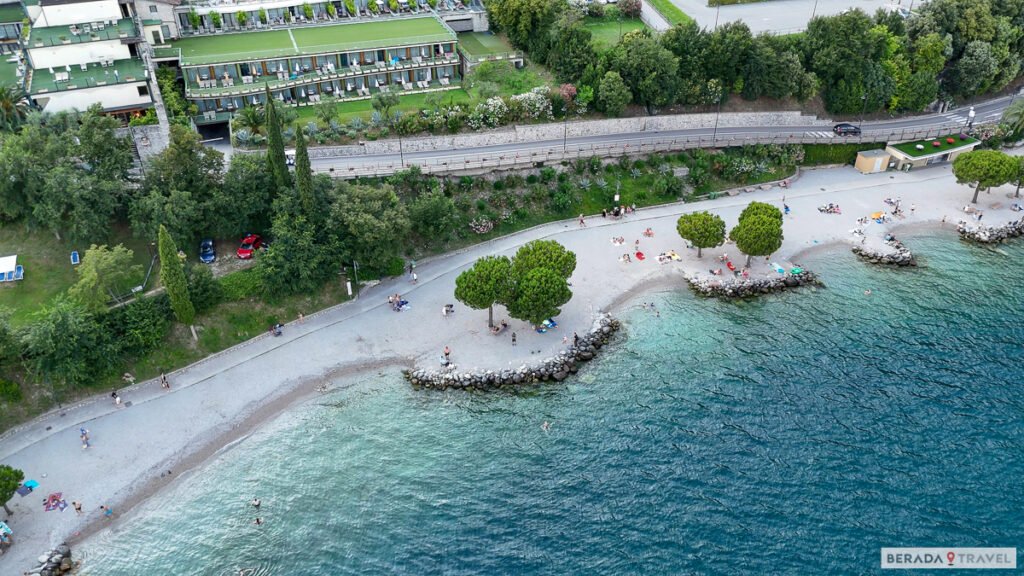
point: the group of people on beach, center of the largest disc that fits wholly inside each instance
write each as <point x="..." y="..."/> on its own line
<point x="618" y="211"/>
<point x="398" y="304"/>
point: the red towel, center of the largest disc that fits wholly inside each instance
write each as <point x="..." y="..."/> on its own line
<point x="640" y="256"/>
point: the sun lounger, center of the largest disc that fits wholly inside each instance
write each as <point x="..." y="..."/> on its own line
<point x="19" y="272"/>
<point x="9" y="276"/>
<point x="75" y="260"/>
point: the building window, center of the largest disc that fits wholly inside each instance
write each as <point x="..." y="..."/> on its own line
<point x="143" y="90"/>
<point x="152" y="9"/>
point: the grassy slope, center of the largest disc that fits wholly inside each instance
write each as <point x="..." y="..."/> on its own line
<point x="670" y="11"/>
<point x="48" y="270"/>
<point x="605" y="33"/>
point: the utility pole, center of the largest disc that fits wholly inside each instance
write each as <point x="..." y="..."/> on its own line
<point x="864" y="107"/>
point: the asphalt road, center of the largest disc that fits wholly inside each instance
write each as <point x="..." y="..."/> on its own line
<point x="779" y="16"/>
<point x="984" y="112"/>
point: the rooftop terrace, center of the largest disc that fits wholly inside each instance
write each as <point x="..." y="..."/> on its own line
<point x="121" y="72"/>
<point x="248" y="46"/>
<point x="11" y="13"/>
<point x="79" y="34"/>
<point x="8" y="73"/>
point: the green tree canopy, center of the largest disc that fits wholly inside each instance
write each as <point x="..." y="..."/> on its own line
<point x="276" y="163"/>
<point x="757" y="235"/>
<point x="297" y="261"/>
<point x="984" y="169"/>
<point x="10" y="480"/>
<point x="612" y="94"/>
<point x="372" y="223"/>
<point x="544" y="254"/>
<point x="761" y="209"/>
<point x="702" y="229"/>
<point x="1013" y="117"/>
<point x="64" y="345"/>
<point x="487" y="283"/>
<point x="571" y="48"/>
<point x="648" y="69"/>
<point x="172" y="276"/>
<point x="383" y="102"/>
<point x="103" y="274"/>
<point x="433" y="216"/>
<point x="539" y="295"/>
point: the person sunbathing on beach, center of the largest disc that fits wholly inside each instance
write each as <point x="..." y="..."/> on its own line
<point x="625" y="259"/>
<point x="649" y="233"/>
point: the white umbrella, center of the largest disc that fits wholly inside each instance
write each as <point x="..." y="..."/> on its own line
<point x="255" y="101"/>
<point x="302" y="93"/>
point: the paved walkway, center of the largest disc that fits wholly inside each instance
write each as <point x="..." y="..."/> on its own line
<point x="220" y="398"/>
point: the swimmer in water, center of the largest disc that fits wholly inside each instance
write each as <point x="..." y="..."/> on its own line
<point x="545" y="426"/>
<point x="255" y="502"/>
<point x="258" y="521"/>
<point x="867" y="292"/>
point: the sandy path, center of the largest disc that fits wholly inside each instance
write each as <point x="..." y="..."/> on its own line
<point x="223" y="397"/>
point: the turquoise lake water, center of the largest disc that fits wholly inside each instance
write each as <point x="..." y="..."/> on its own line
<point x="796" y="434"/>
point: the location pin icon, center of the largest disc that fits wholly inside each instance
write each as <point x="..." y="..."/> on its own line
<point x="950" y="556"/>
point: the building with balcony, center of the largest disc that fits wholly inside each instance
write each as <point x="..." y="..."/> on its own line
<point x="11" y="19"/>
<point x="85" y="52"/>
<point x="227" y="71"/>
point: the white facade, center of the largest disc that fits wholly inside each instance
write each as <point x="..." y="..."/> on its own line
<point x="78" y="13"/>
<point x="157" y="10"/>
<point x="119" y="96"/>
<point x="76" y="54"/>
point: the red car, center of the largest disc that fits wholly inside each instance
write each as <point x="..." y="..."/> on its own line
<point x="250" y="244"/>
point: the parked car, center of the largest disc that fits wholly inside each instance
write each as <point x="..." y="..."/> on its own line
<point x="289" y="157"/>
<point x="846" y="129"/>
<point x="250" y="244"/>
<point x="207" y="254"/>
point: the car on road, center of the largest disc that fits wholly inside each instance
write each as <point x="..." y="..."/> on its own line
<point x="250" y="244"/>
<point x="289" y="157"/>
<point x="846" y="129"/>
<point x="207" y="253"/>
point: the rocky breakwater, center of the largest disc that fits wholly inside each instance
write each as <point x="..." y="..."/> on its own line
<point x="748" y="287"/>
<point x="556" y="368"/>
<point x="57" y="562"/>
<point x="991" y="234"/>
<point x="898" y="256"/>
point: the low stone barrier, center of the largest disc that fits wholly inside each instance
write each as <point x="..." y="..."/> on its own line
<point x="990" y="234"/>
<point x="899" y="256"/>
<point x="57" y="562"/>
<point x="748" y="287"/>
<point x="556" y="368"/>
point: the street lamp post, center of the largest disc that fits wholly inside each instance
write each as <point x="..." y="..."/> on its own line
<point x="355" y="273"/>
<point x="863" y="108"/>
<point x="401" y="152"/>
<point x="815" y="10"/>
<point x="565" y="131"/>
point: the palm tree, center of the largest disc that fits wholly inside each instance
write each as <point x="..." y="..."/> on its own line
<point x="251" y="118"/>
<point x="14" y="106"/>
<point x="1013" y="117"/>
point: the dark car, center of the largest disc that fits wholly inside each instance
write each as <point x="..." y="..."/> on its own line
<point x="250" y="244"/>
<point x="846" y="129"/>
<point x="206" y="252"/>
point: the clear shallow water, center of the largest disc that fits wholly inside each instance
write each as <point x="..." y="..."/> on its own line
<point x="796" y="434"/>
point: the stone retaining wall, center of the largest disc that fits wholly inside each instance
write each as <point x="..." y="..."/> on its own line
<point x="745" y="288"/>
<point x="899" y="256"/>
<point x="990" y="234"/>
<point x="556" y="368"/>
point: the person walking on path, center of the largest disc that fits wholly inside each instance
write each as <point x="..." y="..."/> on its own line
<point x="164" y="382"/>
<point x="414" y="278"/>
<point x="785" y="208"/>
<point x="84" y="435"/>
<point x="912" y="208"/>
<point x="117" y="399"/>
<point x="447" y="353"/>
<point x="78" y="507"/>
<point x="513" y="339"/>
<point x="583" y="222"/>
<point x="108" y="512"/>
<point x="575" y="339"/>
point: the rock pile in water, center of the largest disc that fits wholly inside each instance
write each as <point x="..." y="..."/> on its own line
<point x="57" y="562"/>
<point x="556" y="368"/>
<point x="899" y="256"/>
<point x="747" y="287"/>
<point x="990" y="234"/>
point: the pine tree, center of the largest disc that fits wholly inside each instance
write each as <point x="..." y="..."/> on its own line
<point x="277" y="165"/>
<point x="172" y="275"/>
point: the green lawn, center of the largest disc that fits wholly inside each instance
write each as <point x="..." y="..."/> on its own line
<point x="338" y="38"/>
<point x="478" y="44"/>
<point x="48" y="270"/>
<point x="385" y="33"/>
<point x="8" y="73"/>
<point x="606" y="32"/>
<point x="910" y="148"/>
<point x="670" y="12"/>
<point x="407" y="103"/>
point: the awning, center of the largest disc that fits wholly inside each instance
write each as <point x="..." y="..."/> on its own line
<point x="8" y="264"/>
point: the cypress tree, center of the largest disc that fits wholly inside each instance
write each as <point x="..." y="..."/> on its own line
<point x="304" y="177"/>
<point x="172" y="275"/>
<point x="277" y="165"/>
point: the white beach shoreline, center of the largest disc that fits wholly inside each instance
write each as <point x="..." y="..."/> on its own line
<point x="221" y="399"/>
